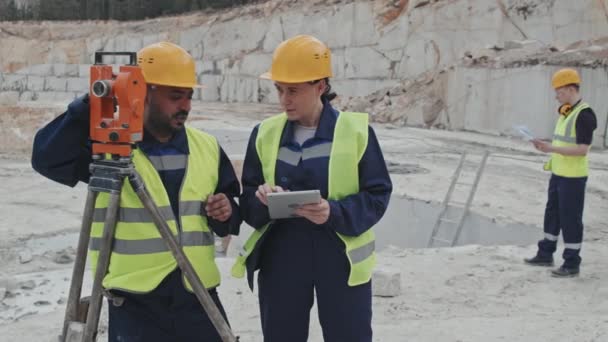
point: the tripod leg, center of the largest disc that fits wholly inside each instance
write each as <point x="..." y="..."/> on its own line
<point x="105" y="251"/>
<point x="182" y="261"/>
<point x="72" y="312"/>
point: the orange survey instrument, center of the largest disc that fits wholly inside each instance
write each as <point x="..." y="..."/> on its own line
<point x="117" y="120"/>
<point x="117" y="105"/>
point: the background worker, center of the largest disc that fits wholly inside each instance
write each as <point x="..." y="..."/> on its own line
<point x="183" y="168"/>
<point x="569" y="165"/>
<point x="329" y="249"/>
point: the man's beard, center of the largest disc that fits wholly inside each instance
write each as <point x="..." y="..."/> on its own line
<point x="160" y="124"/>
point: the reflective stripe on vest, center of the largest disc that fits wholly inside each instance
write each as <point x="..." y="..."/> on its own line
<point x="158" y="245"/>
<point x="569" y="133"/>
<point x="361" y="253"/>
<point x="142" y="215"/>
<point x="564" y="135"/>
<point x="169" y="162"/>
<point x="140" y="259"/>
<point x="293" y="157"/>
<point x="345" y="152"/>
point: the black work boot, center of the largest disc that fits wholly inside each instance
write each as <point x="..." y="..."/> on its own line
<point x="539" y="261"/>
<point x="565" y="272"/>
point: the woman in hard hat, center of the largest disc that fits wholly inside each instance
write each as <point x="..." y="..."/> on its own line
<point x="329" y="249"/>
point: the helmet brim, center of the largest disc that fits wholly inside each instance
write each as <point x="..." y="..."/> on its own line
<point x="175" y="85"/>
<point x="269" y="76"/>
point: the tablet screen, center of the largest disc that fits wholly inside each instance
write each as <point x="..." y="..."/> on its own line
<point x="283" y="204"/>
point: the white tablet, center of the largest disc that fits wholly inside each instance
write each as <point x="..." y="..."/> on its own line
<point x="283" y="204"/>
<point x="524" y="132"/>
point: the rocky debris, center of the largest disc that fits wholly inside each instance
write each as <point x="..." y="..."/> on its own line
<point x="27" y="285"/>
<point x="482" y="54"/>
<point x="422" y="100"/>
<point x="25" y="256"/>
<point x="515" y="54"/>
<point x="583" y="44"/>
<point x="64" y="256"/>
<point x="419" y="98"/>
<point x="386" y="283"/>
<point x="42" y="303"/>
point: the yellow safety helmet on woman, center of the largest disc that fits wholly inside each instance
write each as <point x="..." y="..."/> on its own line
<point x="564" y="77"/>
<point x="167" y="64"/>
<point x="300" y="59"/>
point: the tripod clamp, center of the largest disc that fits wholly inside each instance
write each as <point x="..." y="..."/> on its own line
<point x="107" y="175"/>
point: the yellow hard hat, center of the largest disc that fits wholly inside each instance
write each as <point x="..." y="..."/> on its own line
<point x="300" y="59"/>
<point x="564" y="77"/>
<point x="167" y="64"/>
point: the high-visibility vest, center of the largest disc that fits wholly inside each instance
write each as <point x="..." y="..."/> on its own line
<point x="140" y="259"/>
<point x="564" y="135"/>
<point x="349" y="144"/>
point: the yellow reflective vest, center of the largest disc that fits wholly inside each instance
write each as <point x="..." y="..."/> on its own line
<point x="140" y="260"/>
<point x="565" y="136"/>
<point x="349" y="145"/>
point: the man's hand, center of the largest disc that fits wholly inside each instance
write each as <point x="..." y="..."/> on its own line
<point x="542" y="146"/>
<point x="316" y="213"/>
<point x="218" y="207"/>
<point x="265" y="189"/>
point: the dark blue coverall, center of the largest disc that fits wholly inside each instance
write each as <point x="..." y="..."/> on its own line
<point x="298" y="258"/>
<point x="565" y="203"/>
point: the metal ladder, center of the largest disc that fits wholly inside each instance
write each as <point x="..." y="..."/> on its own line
<point x="447" y="202"/>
